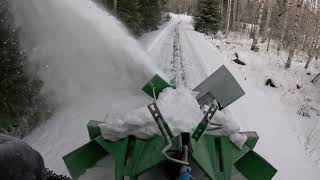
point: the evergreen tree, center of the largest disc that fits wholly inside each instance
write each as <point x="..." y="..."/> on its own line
<point x="208" y="18"/>
<point x="138" y="15"/>
<point x="128" y="12"/>
<point x="12" y="79"/>
<point x="20" y="103"/>
<point x="150" y="11"/>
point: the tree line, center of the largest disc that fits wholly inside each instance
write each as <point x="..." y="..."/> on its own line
<point x="139" y="16"/>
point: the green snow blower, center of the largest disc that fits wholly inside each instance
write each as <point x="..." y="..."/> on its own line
<point x="187" y="156"/>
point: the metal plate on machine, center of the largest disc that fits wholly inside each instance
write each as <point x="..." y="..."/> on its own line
<point x="222" y="86"/>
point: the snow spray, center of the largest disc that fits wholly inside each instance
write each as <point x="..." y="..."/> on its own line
<point x="81" y="49"/>
<point x="90" y="66"/>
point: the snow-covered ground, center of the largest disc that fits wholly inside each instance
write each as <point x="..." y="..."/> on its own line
<point x="277" y="112"/>
<point x="189" y="57"/>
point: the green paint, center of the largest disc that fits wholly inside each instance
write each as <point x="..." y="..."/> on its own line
<point x="254" y="167"/>
<point x="200" y="130"/>
<point x="84" y="158"/>
<point x="214" y="155"/>
<point x="157" y="84"/>
<point x="93" y="129"/>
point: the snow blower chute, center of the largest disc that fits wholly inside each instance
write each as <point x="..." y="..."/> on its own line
<point x="198" y="155"/>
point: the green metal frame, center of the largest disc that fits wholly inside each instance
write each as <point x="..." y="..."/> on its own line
<point x="214" y="155"/>
<point x="156" y="85"/>
<point x="144" y="155"/>
<point x="202" y="126"/>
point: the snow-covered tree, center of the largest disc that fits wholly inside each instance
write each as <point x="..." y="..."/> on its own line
<point x="208" y="18"/>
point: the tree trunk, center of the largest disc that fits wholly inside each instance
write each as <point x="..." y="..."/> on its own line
<point x="252" y="26"/>
<point x="254" y="45"/>
<point x="228" y="17"/>
<point x="315" y="79"/>
<point x="9" y="107"/>
<point x="239" y="25"/>
<point x="293" y="45"/>
<point x="221" y="8"/>
<point x="306" y="32"/>
<point x="234" y="14"/>
<point x="280" y="43"/>
<point x="311" y="52"/>
<point x="268" y="43"/>
<point x="225" y="15"/>
<point x="318" y="52"/>
<point x="7" y="104"/>
<point x="267" y="27"/>
<point x="308" y="61"/>
<point x="314" y="44"/>
<point x="115" y="7"/>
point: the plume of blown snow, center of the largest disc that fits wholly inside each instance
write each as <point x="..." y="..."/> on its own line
<point x="89" y="64"/>
<point x="80" y="49"/>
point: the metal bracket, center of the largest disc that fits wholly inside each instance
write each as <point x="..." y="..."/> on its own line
<point x="155" y="112"/>
<point x="200" y="130"/>
<point x="166" y="132"/>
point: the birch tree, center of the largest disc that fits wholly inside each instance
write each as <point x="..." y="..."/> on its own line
<point x="293" y="45"/>
<point x="315" y="41"/>
<point x="306" y="32"/>
<point x="228" y="17"/>
<point x="267" y="26"/>
<point x="253" y="21"/>
<point x="280" y="43"/>
<point x="254" y="45"/>
<point x="240" y="14"/>
<point x="234" y="14"/>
